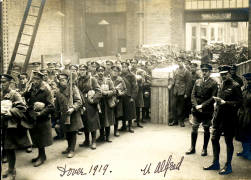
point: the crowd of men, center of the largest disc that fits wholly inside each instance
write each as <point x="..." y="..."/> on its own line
<point x="91" y="97"/>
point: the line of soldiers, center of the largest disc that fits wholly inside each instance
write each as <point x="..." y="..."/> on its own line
<point x="84" y="98"/>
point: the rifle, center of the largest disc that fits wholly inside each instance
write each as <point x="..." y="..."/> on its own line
<point x="70" y="102"/>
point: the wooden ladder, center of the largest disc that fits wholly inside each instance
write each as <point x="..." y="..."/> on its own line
<point x="33" y="35"/>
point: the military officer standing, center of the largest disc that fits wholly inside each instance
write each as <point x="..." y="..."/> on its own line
<point x="202" y="107"/>
<point x="39" y="95"/>
<point x="182" y="83"/>
<point x="64" y="109"/>
<point x="108" y="66"/>
<point x="129" y="110"/>
<point x="205" y="52"/>
<point x="234" y="75"/>
<point x="120" y="87"/>
<point x="107" y="116"/>
<point x="227" y="103"/>
<point x="94" y="66"/>
<point x="15" y="134"/>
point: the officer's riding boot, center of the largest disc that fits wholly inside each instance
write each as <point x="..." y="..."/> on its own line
<point x="206" y="139"/>
<point x="4" y="156"/>
<point x="147" y="112"/>
<point x="182" y="124"/>
<point x="143" y="115"/>
<point x="215" y="165"/>
<point x="87" y="140"/>
<point x="11" y="172"/>
<point x="228" y="168"/>
<point x="93" y="146"/>
<point x="101" y="136"/>
<point x="194" y="136"/>
<point x="138" y="117"/>
<point x="123" y="128"/>
<point x="116" y="132"/>
<point x="130" y="127"/>
<point x="107" y="131"/>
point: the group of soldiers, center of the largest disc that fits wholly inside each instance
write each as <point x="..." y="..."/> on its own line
<point x="91" y="97"/>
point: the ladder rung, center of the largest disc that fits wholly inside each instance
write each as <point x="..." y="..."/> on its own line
<point x="24" y="44"/>
<point x="22" y="54"/>
<point x="29" y="25"/>
<point x="26" y="34"/>
<point x="32" y="15"/>
<point x="35" y="6"/>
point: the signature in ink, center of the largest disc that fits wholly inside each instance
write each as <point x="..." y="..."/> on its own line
<point x="163" y="166"/>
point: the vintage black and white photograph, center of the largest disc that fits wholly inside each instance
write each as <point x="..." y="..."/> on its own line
<point x="125" y="89"/>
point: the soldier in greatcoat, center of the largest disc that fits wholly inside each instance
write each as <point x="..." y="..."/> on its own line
<point x="182" y="83"/>
<point x="120" y="86"/>
<point x="225" y="120"/>
<point x="15" y="134"/>
<point x="107" y="116"/>
<point x="90" y="117"/>
<point x="64" y="109"/>
<point x="39" y="95"/>
<point x="129" y="110"/>
<point x="202" y="107"/>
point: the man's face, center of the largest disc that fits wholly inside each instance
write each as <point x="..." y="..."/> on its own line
<point x="203" y="43"/>
<point x="93" y="67"/>
<point x="180" y="63"/>
<point x="124" y="68"/>
<point x="100" y="73"/>
<point x="193" y="68"/>
<point x="5" y="84"/>
<point x="225" y="76"/>
<point x="37" y="81"/>
<point x="186" y="63"/>
<point x="232" y="72"/>
<point x="23" y="80"/>
<point x="63" y="82"/>
<point x="206" y="73"/>
<point x="82" y="72"/>
<point x="134" y="64"/>
<point x="51" y="66"/>
<point x="45" y="77"/>
<point x="115" y="73"/>
<point x="108" y="66"/>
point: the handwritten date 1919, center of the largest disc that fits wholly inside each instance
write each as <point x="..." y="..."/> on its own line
<point x="164" y="166"/>
<point x="79" y="171"/>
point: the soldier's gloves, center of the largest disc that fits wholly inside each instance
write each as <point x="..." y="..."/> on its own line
<point x="70" y="111"/>
<point x="131" y="100"/>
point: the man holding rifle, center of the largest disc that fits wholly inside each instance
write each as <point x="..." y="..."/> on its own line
<point x="227" y="103"/>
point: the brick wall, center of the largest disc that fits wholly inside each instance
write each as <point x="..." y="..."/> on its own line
<point x="49" y="35"/>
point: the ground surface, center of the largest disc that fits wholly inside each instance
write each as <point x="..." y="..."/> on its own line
<point x="130" y="153"/>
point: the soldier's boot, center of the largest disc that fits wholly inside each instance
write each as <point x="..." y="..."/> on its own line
<point x="11" y="174"/>
<point x="246" y="149"/>
<point x="4" y="156"/>
<point x="108" y="138"/>
<point x="194" y="136"/>
<point x="230" y="151"/>
<point x="123" y="128"/>
<point x="130" y="126"/>
<point x="226" y="170"/>
<point x="138" y="117"/>
<point x="206" y="140"/>
<point x="41" y="157"/>
<point x="93" y="146"/>
<point x="182" y="124"/>
<point x="116" y="132"/>
<point x="143" y="115"/>
<point x="101" y="136"/>
<point x="215" y="165"/>
<point x="87" y="140"/>
<point x="174" y="123"/>
<point x="147" y="113"/>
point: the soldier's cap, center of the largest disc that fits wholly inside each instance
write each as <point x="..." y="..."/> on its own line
<point x="56" y="70"/>
<point x="109" y="62"/>
<point x="115" y="68"/>
<point x="148" y="63"/>
<point x="62" y="76"/>
<point x="7" y="77"/>
<point x="224" y="69"/>
<point x="73" y="67"/>
<point x="44" y="71"/>
<point x="180" y="58"/>
<point x="134" y="61"/>
<point x="100" y="68"/>
<point x="247" y="76"/>
<point x="204" y="39"/>
<point x="38" y="74"/>
<point x="67" y="62"/>
<point x="206" y="67"/>
<point x="234" y="67"/>
<point x="82" y="66"/>
<point x="194" y="65"/>
<point x="22" y="75"/>
<point x="88" y="63"/>
<point x="51" y="63"/>
<point x="94" y="63"/>
<point x="125" y="63"/>
<point x="36" y="63"/>
<point x="59" y="64"/>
